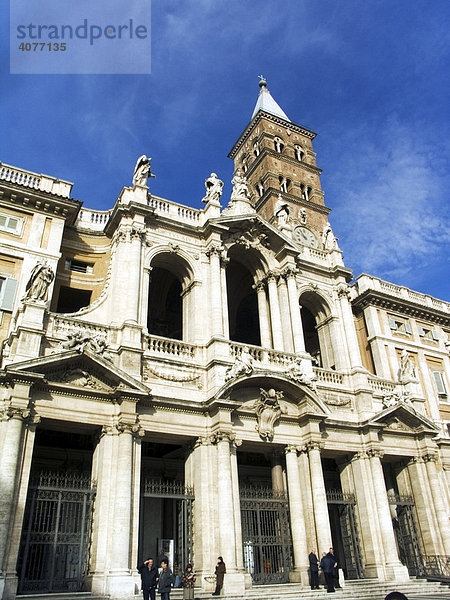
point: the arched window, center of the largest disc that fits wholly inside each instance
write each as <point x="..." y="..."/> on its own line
<point x="278" y="144"/>
<point x="243" y="312"/>
<point x="318" y="330"/>
<point x="170" y="298"/>
<point x="285" y="183"/>
<point x="165" y="305"/>
<point x="306" y="191"/>
<point x="299" y="152"/>
<point x="260" y="189"/>
<point x="256" y="148"/>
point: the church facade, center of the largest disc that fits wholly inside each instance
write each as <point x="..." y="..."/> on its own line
<point x="195" y="383"/>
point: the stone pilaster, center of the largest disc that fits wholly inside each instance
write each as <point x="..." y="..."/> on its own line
<point x="300" y="549"/>
<point x="18" y="427"/>
<point x="275" y="315"/>
<point x="294" y="309"/>
<point x="323" y="529"/>
<point x="424" y="506"/>
<point x="234" y="582"/>
<point x="343" y="293"/>
<point x="115" y="463"/>
<point x="288" y="343"/>
<point x="393" y="567"/>
<point x="214" y="253"/>
<point x="264" y="321"/>
<point x="438" y="497"/>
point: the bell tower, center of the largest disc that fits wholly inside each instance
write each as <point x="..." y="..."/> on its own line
<point x="277" y="158"/>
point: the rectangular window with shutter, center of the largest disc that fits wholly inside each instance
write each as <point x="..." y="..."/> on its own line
<point x="439" y="382"/>
<point x="399" y="325"/>
<point x="8" y="288"/>
<point x="11" y="224"/>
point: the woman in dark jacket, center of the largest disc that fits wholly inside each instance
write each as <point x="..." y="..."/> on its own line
<point x="220" y="572"/>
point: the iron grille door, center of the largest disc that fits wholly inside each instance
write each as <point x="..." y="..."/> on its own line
<point x="54" y="550"/>
<point x="345" y="504"/>
<point x="266" y="535"/>
<point x="184" y="498"/>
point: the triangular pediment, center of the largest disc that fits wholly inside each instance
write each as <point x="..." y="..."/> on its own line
<point x="73" y="369"/>
<point x="403" y="417"/>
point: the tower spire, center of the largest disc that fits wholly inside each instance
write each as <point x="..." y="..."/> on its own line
<point x="266" y="103"/>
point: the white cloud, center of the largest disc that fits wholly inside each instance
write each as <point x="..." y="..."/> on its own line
<point x="389" y="215"/>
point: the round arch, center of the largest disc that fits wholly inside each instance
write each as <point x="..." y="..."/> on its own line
<point x="318" y="329"/>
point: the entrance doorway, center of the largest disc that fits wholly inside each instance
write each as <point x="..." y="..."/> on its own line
<point x="406" y="533"/>
<point x="341" y="510"/>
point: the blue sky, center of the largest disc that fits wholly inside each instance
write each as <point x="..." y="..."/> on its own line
<point x="371" y="77"/>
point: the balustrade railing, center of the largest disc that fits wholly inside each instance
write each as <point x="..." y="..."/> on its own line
<point x="170" y="347"/>
<point x="437" y="566"/>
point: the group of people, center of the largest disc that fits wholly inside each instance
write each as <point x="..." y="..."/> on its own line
<point x="162" y="579"/>
<point x="329" y="565"/>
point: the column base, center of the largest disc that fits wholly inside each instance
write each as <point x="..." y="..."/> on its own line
<point x="233" y="584"/>
<point x="397" y="572"/>
<point x="300" y="575"/>
<point x="8" y="587"/>
<point x="120" y="585"/>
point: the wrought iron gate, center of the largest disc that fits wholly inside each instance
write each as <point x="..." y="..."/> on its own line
<point x="406" y="533"/>
<point x="184" y="498"/>
<point x="54" y="552"/>
<point x="349" y="533"/>
<point x="266" y="535"/>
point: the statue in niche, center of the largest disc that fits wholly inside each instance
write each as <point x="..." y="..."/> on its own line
<point x="268" y="410"/>
<point x="41" y="277"/>
<point x="407" y="371"/>
<point x="142" y="170"/>
<point x="329" y="242"/>
<point x="297" y="373"/>
<point x="302" y="216"/>
<point x="240" y="188"/>
<point x="243" y="365"/>
<point x="213" y="187"/>
<point x="281" y="212"/>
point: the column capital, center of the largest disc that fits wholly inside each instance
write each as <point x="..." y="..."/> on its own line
<point x="259" y="285"/>
<point x="430" y="457"/>
<point x="215" y="250"/>
<point x="224" y="436"/>
<point x="290" y="272"/>
<point x="375" y="453"/>
<point x="272" y="276"/>
<point x="292" y="448"/>
<point x="134" y="429"/>
<point x="359" y="456"/>
<point x="312" y="445"/>
<point x="13" y="412"/>
<point x="343" y="291"/>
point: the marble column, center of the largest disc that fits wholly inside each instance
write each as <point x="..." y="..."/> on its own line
<point x="393" y="567"/>
<point x="349" y="326"/>
<point x="264" y="321"/>
<point x="133" y="269"/>
<point x="300" y="548"/>
<point x="286" y="325"/>
<point x="438" y="497"/>
<point x="277" y="472"/>
<point x="9" y="466"/>
<point x="234" y="582"/>
<point x="18" y="428"/>
<point x="275" y="315"/>
<point x="236" y="508"/>
<point x="322" y="520"/>
<point x="215" y="290"/>
<point x="223" y="277"/>
<point x="294" y="309"/>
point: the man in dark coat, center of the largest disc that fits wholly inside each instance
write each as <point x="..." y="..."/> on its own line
<point x="149" y="575"/>
<point x="314" y="570"/>
<point x="327" y="563"/>
<point x="165" y="581"/>
<point x="336" y="569"/>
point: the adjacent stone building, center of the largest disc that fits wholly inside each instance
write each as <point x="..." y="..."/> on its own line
<point x="191" y="383"/>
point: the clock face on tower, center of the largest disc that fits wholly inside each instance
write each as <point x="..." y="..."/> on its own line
<point x="304" y="236"/>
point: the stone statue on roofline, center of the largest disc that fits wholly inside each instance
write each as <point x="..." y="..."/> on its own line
<point x="213" y="187"/>
<point x="142" y="171"/>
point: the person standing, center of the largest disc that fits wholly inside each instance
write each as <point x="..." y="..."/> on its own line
<point x="336" y="569"/>
<point x="187" y="582"/>
<point x="327" y="564"/>
<point x="149" y="575"/>
<point x="314" y="570"/>
<point x="165" y="581"/>
<point x="220" y="572"/>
